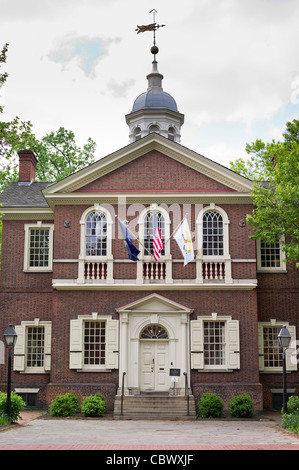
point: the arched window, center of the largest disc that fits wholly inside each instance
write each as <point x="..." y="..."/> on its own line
<point x="171" y="133"/>
<point x="149" y="232"/>
<point x="95" y="258"/>
<point x="154" y="332"/>
<point x="96" y="234"/>
<point x="213" y="232"/>
<point x="154" y="128"/>
<point x="137" y="134"/>
<point x="212" y="227"/>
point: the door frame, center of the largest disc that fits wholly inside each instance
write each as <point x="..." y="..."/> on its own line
<point x="134" y="317"/>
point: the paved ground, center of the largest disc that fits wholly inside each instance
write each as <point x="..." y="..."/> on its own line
<point x="37" y="433"/>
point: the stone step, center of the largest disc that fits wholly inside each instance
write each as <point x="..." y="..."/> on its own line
<point x="154" y="407"/>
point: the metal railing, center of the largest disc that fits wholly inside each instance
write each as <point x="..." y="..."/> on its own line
<point x="187" y="392"/>
<point x="122" y="394"/>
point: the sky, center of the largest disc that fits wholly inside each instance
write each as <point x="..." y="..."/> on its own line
<point x="231" y="65"/>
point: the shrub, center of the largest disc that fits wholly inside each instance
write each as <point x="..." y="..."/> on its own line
<point x="293" y="404"/>
<point x="241" y="406"/>
<point x="94" y="405"/>
<point x="210" y="406"/>
<point x="17" y="404"/>
<point x="290" y="422"/>
<point x="64" y="405"/>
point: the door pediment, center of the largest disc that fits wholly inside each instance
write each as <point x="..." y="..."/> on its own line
<point x="154" y="303"/>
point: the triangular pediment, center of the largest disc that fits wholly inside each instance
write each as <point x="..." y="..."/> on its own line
<point x="154" y="303"/>
<point x="210" y="174"/>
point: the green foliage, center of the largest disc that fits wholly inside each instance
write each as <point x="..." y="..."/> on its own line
<point x="94" y="405"/>
<point x="290" y="422"/>
<point x="17" y="404"/>
<point x="3" y="76"/>
<point x="210" y="406"/>
<point x="4" y="420"/>
<point x="241" y="406"/>
<point x="64" y="405"/>
<point x="59" y="156"/>
<point x="276" y="205"/>
<point x="57" y="153"/>
<point x="293" y="405"/>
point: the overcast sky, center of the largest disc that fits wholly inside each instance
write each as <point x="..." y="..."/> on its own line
<point x="231" y="65"/>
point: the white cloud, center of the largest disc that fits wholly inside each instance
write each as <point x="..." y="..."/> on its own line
<point x="87" y="51"/>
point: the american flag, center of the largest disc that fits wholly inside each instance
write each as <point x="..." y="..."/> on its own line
<point x="157" y="239"/>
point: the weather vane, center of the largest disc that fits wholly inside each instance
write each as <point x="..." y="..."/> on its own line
<point x="150" y="27"/>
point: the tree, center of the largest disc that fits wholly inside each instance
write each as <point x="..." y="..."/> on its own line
<point x="276" y="202"/>
<point x="59" y="156"/>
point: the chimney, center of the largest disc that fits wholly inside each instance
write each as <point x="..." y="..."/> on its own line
<point x="27" y="166"/>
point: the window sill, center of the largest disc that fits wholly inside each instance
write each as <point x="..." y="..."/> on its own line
<point x="209" y="371"/>
<point x="36" y="371"/>
<point x="94" y="370"/>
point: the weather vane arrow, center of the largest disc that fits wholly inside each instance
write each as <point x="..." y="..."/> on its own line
<point x="150" y="27"/>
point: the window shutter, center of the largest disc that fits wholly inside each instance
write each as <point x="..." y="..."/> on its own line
<point x="76" y="344"/>
<point x="111" y="359"/>
<point x="292" y="352"/>
<point x="233" y="344"/>
<point x="48" y="333"/>
<point x="19" y="349"/>
<point x="196" y="344"/>
<point x="261" y="347"/>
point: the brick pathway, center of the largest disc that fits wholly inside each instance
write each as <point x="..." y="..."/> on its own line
<point x="145" y="436"/>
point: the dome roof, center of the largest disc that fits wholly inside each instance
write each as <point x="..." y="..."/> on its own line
<point x="157" y="99"/>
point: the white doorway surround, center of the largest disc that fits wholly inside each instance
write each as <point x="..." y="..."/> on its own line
<point x="154" y="338"/>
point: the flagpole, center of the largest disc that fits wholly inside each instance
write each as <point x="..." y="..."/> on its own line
<point x="175" y="230"/>
<point x="135" y="237"/>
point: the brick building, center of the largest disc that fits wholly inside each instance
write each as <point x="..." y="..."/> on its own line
<point x="85" y="313"/>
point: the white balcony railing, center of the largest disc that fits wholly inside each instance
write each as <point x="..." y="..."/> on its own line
<point x="213" y="270"/>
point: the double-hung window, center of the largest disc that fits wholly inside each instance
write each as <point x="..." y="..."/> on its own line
<point x="38" y="248"/>
<point x="215" y="343"/>
<point x="270" y="256"/>
<point x="93" y="343"/>
<point x="270" y="354"/>
<point x="32" y="353"/>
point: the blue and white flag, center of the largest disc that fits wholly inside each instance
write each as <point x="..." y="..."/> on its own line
<point x="132" y="250"/>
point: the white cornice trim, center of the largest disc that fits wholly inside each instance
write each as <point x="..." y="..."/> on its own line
<point x="246" y="284"/>
<point x="23" y="213"/>
<point x="149" y="197"/>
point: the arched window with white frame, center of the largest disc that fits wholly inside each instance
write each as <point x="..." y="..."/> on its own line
<point x="149" y="270"/>
<point x="213" y="257"/>
<point x="95" y="259"/>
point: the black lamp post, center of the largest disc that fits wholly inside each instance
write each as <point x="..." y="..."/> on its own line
<point x="284" y="339"/>
<point x="10" y="336"/>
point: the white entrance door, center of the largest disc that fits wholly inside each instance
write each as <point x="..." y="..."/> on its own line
<point x="154" y="367"/>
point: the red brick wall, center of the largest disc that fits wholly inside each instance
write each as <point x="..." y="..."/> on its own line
<point x="154" y="172"/>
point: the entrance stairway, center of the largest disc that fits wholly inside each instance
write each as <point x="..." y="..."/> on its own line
<point x="155" y="406"/>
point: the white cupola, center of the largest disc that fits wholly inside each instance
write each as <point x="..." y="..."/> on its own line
<point x="155" y="110"/>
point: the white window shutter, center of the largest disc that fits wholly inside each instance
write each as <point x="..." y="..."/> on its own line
<point x="233" y="344"/>
<point x="48" y="335"/>
<point x="76" y="344"/>
<point x="111" y="353"/>
<point x="292" y="352"/>
<point x="197" y="344"/>
<point x="261" y="347"/>
<point x="19" y="349"/>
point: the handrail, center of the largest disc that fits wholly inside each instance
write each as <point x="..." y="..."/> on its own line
<point x="122" y="393"/>
<point x="186" y="391"/>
